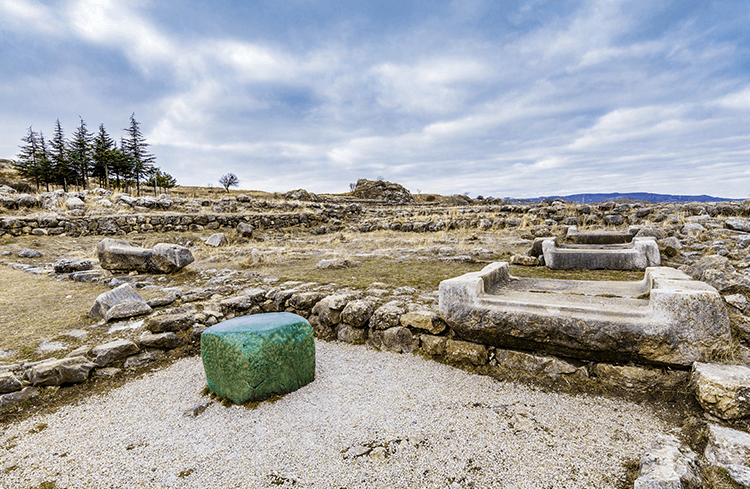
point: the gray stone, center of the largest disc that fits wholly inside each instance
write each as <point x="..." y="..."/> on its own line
<point x="433" y="345"/>
<point x="740" y="474"/>
<point x="534" y="364"/>
<point x="425" y="320"/>
<point x="9" y="383"/>
<point x="127" y="310"/>
<point x="124" y="294"/>
<point x="218" y="239"/>
<point x="301" y="301"/>
<point x="14" y="398"/>
<point x="739" y="302"/>
<point x="665" y="319"/>
<point x="162" y="301"/>
<point x="667" y="464"/>
<point x="107" y="372"/>
<point x="387" y="315"/>
<point x="109" y="353"/>
<point x="464" y="351"/>
<point x="50" y="346"/>
<point x="349" y="334"/>
<point x="738" y="224"/>
<point x="357" y="313"/>
<point x="525" y="260"/>
<point x="167" y="340"/>
<point x="169" y="323"/>
<point x="334" y="264"/>
<point x="73" y="203"/>
<point x="118" y="255"/>
<point x="670" y="246"/>
<point x="716" y="271"/>
<point x="69" y="265"/>
<point x="639" y="254"/>
<point x="329" y="308"/>
<point x="722" y="390"/>
<point x="29" y="253"/>
<point x="727" y="446"/>
<point x="142" y="359"/>
<point x="81" y="351"/>
<point x="640" y="378"/>
<point x="245" y="230"/>
<point x="693" y="229"/>
<point x="57" y="372"/>
<point x="397" y="339"/>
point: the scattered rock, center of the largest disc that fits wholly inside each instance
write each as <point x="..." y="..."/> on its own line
<point x="74" y="203"/>
<point x="118" y="255"/>
<point x="382" y="190"/>
<point x="69" y="266"/>
<point x="57" y="372"/>
<point x="166" y="340"/>
<point x="218" y="239"/>
<point x="9" y="383"/>
<point x="108" y="372"/>
<point x="113" y="351"/>
<point x="640" y="378"/>
<point x="387" y="315"/>
<point x="722" y="390"/>
<point x="357" y="313"/>
<point x="334" y="264"/>
<point x="15" y="398"/>
<point x="534" y="364"/>
<point x="464" y="351"/>
<point x="738" y="224"/>
<point x="666" y="463"/>
<point x="131" y="304"/>
<point x="727" y="446"/>
<point x="426" y="320"/>
<point x="143" y="359"/>
<point x="244" y="229"/>
<point x="169" y="323"/>
<point x="29" y="253"/>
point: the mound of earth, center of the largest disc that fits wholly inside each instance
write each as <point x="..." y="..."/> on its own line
<point x="382" y="190"/>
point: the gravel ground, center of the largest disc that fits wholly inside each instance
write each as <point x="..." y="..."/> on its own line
<point x="370" y="419"/>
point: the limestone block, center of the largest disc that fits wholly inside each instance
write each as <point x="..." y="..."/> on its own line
<point x="349" y="334"/>
<point x="118" y="255"/>
<point x="123" y="294"/>
<point x="245" y="230"/>
<point x="169" y="322"/>
<point x="738" y="224"/>
<point x="358" y="313"/>
<point x="9" y="383"/>
<point x="69" y="266"/>
<point x="142" y="359"/>
<point x="464" y="351"/>
<point x="15" y="398"/>
<point x="640" y="378"/>
<point x="218" y="239"/>
<point x="426" y="320"/>
<point x="668" y="464"/>
<point x="722" y="390"/>
<point x="329" y="308"/>
<point x="75" y="203"/>
<point x="127" y="310"/>
<point x="334" y="264"/>
<point x="739" y="474"/>
<point x="433" y="345"/>
<point x="254" y="357"/>
<point x="399" y="340"/>
<point x="166" y="341"/>
<point x="304" y="300"/>
<point x="58" y="372"/>
<point x="537" y="364"/>
<point x="727" y="446"/>
<point x="169" y="258"/>
<point x="109" y="353"/>
<point x="387" y="315"/>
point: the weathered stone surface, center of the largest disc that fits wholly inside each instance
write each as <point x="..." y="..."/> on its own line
<point x="349" y="334"/>
<point x="357" y="313"/>
<point x="396" y="339"/>
<point x="169" y="322"/>
<point x="142" y="359"/>
<point x="57" y="372"/>
<point x="738" y="224"/>
<point x="14" y="398"/>
<point x="381" y="190"/>
<point x="109" y="353"/>
<point x="9" y="383"/>
<point x="525" y="260"/>
<point x="722" y="390"/>
<point x="81" y="351"/>
<point x="464" y="351"/>
<point x="166" y="341"/>
<point x="305" y="300"/>
<point x="433" y="345"/>
<point x="668" y="464"/>
<point x="639" y="254"/>
<point x="127" y="310"/>
<point x="670" y="246"/>
<point x="329" y="308"/>
<point x="69" y="265"/>
<point x="387" y="315"/>
<point x="118" y="255"/>
<point x="640" y="378"/>
<point x="254" y="357"/>
<point x="426" y="320"/>
<point x="218" y="239"/>
<point x="334" y="264"/>
<point x="535" y="364"/>
<point x="162" y="301"/>
<point x="727" y="446"/>
<point x="124" y="294"/>
<point x="75" y="203"/>
<point x="716" y="271"/>
<point x="29" y="253"/>
<point x="666" y="319"/>
<point x="248" y="299"/>
<point x="245" y="230"/>
<point x="739" y="302"/>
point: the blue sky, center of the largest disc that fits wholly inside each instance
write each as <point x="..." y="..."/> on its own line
<point x="503" y="98"/>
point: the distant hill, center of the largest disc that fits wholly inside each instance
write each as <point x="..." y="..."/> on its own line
<point x="641" y="196"/>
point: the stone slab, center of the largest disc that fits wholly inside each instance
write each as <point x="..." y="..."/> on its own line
<point x="664" y="319"/>
<point x="638" y="254"/>
<point x="254" y="357"/>
<point x="722" y="390"/>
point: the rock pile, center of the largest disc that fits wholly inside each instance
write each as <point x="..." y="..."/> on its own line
<point x="390" y="192"/>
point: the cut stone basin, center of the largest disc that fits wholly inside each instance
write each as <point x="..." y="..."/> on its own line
<point x="638" y="254"/>
<point x="664" y="319"/>
<point x="601" y="237"/>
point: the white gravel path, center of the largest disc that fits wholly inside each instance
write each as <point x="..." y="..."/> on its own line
<point x="430" y="426"/>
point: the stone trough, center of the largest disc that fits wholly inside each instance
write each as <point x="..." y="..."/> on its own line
<point x="665" y="319"/>
<point x="601" y="237"/>
<point x="638" y="254"/>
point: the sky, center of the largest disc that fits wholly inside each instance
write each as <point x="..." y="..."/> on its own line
<point x="497" y="98"/>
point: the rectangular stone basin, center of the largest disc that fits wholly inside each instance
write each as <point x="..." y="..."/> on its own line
<point x="638" y="254"/>
<point x="601" y="237"/>
<point x="664" y="319"/>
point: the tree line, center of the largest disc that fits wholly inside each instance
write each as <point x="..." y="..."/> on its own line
<point x="88" y="157"/>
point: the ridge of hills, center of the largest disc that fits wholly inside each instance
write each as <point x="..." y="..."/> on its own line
<point x="591" y="198"/>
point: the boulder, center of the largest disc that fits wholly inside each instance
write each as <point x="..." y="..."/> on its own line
<point x="433" y="345"/>
<point x="381" y="190"/>
<point x="118" y="255"/>
<point x="464" y="351"/>
<point x="142" y="359"/>
<point x="245" y="229"/>
<point x="254" y="357"/>
<point x="667" y="463"/>
<point x="738" y="224"/>
<point x="533" y="364"/>
<point x="670" y="246"/>
<point x="125" y="297"/>
<point x="113" y="351"/>
<point x="304" y="300"/>
<point x="640" y="378"/>
<point x="349" y="334"/>
<point x="29" y="253"/>
<point x="716" y="271"/>
<point x="169" y="323"/>
<point x="334" y="264"/>
<point x="425" y="320"/>
<point x="69" y="265"/>
<point x="218" y="239"/>
<point x="301" y="194"/>
<point x="9" y="383"/>
<point x="397" y="339"/>
<point x="74" y="203"/>
<point x="727" y="446"/>
<point x="722" y="390"/>
<point x="387" y="315"/>
<point x="14" y="398"/>
<point x="357" y="313"/>
<point x="57" y="372"/>
<point x="165" y="341"/>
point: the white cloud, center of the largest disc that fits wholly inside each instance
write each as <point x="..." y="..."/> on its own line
<point x="28" y="15"/>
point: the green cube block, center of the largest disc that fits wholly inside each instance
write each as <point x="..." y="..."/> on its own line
<point x="251" y="358"/>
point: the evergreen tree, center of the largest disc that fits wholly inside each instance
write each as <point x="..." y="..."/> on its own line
<point x="103" y="156"/>
<point x="45" y="165"/>
<point x="80" y="153"/>
<point x="160" y="179"/>
<point x="29" y="157"/>
<point x="59" y="157"/>
<point x="134" y="146"/>
<point x="121" y="166"/>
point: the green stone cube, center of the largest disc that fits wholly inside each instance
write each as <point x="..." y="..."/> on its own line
<point x="251" y="358"/>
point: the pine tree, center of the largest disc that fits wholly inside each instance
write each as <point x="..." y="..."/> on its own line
<point x="134" y="146"/>
<point x="59" y="157"/>
<point x="45" y="165"/>
<point x="80" y="153"/>
<point x="103" y="156"/>
<point x="29" y="157"/>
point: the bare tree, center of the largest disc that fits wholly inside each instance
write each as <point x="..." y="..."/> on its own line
<point x="229" y="180"/>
